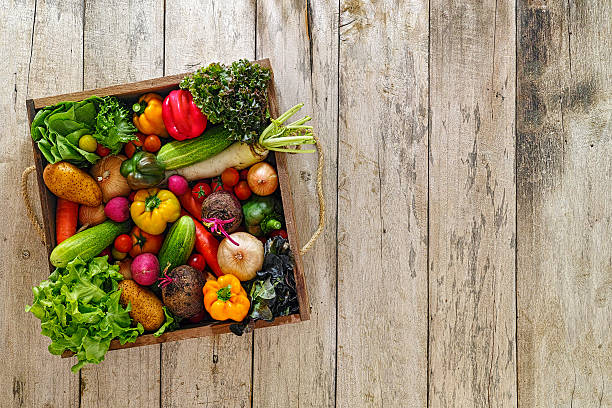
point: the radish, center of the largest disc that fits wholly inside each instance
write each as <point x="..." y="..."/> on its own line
<point x="241" y="155"/>
<point x="145" y="269"/>
<point x="178" y="185"/>
<point x="118" y="209"/>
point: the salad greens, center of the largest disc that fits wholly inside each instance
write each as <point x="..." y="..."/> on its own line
<point x="79" y="309"/>
<point x="171" y="323"/>
<point x="57" y="129"/>
<point x="272" y="292"/>
<point x="236" y="96"/>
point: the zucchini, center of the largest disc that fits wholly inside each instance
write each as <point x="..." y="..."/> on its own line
<point x="177" y="154"/>
<point x="88" y="243"/>
<point x="178" y="244"/>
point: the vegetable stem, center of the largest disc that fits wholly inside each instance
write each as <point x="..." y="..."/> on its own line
<point x="276" y="135"/>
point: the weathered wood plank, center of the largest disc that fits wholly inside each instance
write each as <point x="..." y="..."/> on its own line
<point x="214" y="371"/>
<point x="40" y="55"/>
<point x="301" y="39"/>
<point x="472" y="205"/>
<point x="123" y="42"/>
<point x="564" y="145"/>
<point x="382" y="204"/>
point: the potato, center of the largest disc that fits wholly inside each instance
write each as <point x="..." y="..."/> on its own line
<point x="67" y="181"/>
<point x="146" y="307"/>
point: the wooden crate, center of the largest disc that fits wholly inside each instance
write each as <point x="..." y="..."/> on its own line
<point x="130" y="93"/>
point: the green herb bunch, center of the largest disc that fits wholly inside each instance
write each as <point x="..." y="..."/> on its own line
<point x="236" y="96"/>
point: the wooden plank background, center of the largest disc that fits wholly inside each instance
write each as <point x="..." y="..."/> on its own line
<point x="467" y="259"/>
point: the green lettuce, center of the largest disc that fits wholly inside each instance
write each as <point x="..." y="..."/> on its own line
<point x="169" y="325"/>
<point x="79" y="309"/>
<point x="57" y="129"/>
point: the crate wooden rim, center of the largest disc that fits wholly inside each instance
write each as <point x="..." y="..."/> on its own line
<point x="163" y="85"/>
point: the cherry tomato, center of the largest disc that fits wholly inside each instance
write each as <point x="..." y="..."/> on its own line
<point x="216" y="184"/>
<point x="199" y="317"/>
<point x="280" y="233"/>
<point x="200" y="191"/>
<point x="88" y="143"/>
<point x="151" y="143"/>
<point x="242" y="190"/>
<point x="102" y="150"/>
<point x="197" y="261"/>
<point x="230" y="177"/>
<point x="227" y="188"/>
<point x="132" y="195"/>
<point x="118" y="255"/>
<point x="243" y="174"/>
<point x="123" y="243"/>
<point x="132" y="147"/>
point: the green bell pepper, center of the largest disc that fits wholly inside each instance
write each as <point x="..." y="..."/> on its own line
<point x="142" y="170"/>
<point x="262" y="215"/>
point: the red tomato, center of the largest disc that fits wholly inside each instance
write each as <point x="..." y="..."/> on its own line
<point x="230" y="177"/>
<point x="243" y="174"/>
<point x="227" y="188"/>
<point x="131" y="147"/>
<point x="102" y="151"/>
<point x="132" y="195"/>
<point x="197" y="261"/>
<point x="280" y="233"/>
<point x="151" y="143"/>
<point x="200" y="191"/>
<point x="123" y="243"/>
<point x="242" y="190"/>
<point x="216" y="184"/>
<point x="199" y="317"/>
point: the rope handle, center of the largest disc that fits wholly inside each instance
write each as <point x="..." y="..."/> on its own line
<point x="28" y="205"/>
<point x="321" y="226"/>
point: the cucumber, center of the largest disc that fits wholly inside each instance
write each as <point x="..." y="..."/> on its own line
<point x="178" y="244"/>
<point x="88" y="243"/>
<point x="177" y="154"/>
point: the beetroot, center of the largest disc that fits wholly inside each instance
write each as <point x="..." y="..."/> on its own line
<point x="182" y="291"/>
<point x="221" y="212"/>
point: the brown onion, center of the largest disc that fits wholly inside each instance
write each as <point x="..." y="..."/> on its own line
<point x="112" y="183"/>
<point x="125" y="268"/>
<point x="242" y="260"/>
<point x="91" y="216"/>
<point x="262" y="179"/>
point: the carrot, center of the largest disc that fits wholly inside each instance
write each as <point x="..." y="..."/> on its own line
<point x="207" y="245"/>
<point x="66" y="216"/>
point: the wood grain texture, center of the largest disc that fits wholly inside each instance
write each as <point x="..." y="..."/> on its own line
<point x="29" y="46"/>
<point x="564" y="145"/>
<point x="472" y="205"/>
<point x="295" y="365"/>
<point x="213" y="371"/>
<point x="123" y="42"/>
<point x="382" y="204"/>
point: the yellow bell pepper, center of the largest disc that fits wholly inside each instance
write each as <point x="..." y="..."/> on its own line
<point x="225" y="298"/>
<point x="153" y="208"/>
<point x="148" y="115"/>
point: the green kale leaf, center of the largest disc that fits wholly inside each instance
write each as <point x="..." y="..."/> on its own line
<point x="236" y="96"/>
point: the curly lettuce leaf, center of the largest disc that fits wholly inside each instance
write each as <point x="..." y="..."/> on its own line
<point x="169" y="325"/>
<point x="113" y="125"/>
<point x="79" y="309"/>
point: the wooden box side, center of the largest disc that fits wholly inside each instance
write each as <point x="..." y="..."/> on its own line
<point x="164" y="85"/>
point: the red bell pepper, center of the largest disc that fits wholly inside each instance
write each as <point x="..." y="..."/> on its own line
<point x="207" y="245"/>
<point x="182" y="118"/>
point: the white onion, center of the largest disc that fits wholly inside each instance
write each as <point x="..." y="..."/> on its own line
<point x="242" y="261"/>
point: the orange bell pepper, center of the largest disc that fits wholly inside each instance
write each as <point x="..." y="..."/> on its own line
<point x="148" y="115"/>
<point x="226" y="299"/>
